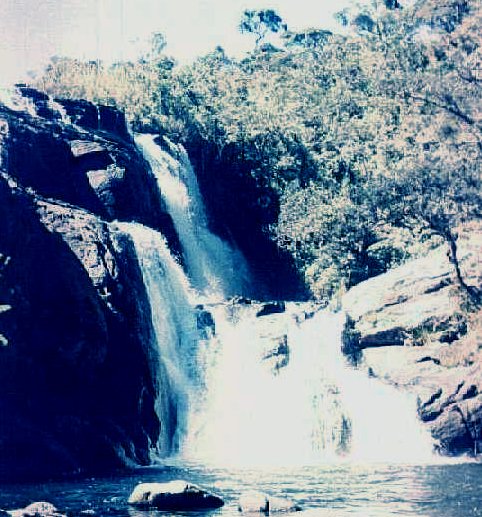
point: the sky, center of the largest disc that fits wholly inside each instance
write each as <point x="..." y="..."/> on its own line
<point x="31" y="31"/>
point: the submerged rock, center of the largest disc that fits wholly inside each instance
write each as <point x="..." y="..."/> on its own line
<point x="257" y="502"/>
<point x="279" y="355"/>
<point x="173" y="496"/>
<point x="40" y="509"/>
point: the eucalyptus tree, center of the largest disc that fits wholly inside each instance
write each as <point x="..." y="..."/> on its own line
<point x="260" y="23"/>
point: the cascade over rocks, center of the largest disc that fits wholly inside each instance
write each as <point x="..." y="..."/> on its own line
<point x="242" y="210"/>
<point x="78" y="361"/>
<point x="408" y="327"/>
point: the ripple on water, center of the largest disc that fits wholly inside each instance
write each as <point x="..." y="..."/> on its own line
<point x="445" y="490"/>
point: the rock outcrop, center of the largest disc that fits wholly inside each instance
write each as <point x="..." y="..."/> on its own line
<point x="411" y="327"/>
<point x="78" y="368"/>
<point x="41" y="509"/>
<point x="95" y="168"/>
<point x="173" y="496"/>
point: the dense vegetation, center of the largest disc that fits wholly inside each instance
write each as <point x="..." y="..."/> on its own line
<point x="363" y="145"/>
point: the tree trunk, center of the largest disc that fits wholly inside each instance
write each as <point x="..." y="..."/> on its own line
<point x="473" y="292"/>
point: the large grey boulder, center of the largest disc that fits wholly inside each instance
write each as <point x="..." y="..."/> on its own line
<point x="173" y="496"/>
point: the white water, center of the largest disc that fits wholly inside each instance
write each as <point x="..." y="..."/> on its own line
<point x="236" y="402"/>
<point x="11" y="97"/>
<point x="174" y="323"/>
<point x="314" y="410"/>
<point x="215" y="268"/>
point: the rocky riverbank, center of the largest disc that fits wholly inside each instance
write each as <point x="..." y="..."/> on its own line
<point x="414" y="328"/>
<point x="77" y="361"/>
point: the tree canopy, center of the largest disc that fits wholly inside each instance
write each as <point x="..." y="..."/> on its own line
<point x="364" y="145"/>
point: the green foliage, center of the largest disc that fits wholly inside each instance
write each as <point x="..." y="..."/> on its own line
<point x="261" y="22"/>
<point x="139" y="88"/>
<point x="364" y="145"/>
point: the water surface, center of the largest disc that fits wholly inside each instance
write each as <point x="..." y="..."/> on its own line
<point x="445" y="490"/>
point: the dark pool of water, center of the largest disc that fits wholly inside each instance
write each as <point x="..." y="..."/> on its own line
<point x="445" y="490"/>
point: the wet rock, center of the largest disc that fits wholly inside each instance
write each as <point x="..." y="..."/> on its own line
<point x="78" y="382"/>
<point x="271" y="308"/>
<point x="279" y="355"/>
<point x="41" y="509"/>
<point x="205" y="322"/>
<point x="257" y="502"/>
<point x="173" y="496"/>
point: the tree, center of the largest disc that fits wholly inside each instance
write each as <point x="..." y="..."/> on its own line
<point x="310" y="38"/>
<point x="260" y="23"/>
<point x="437" y="193"/>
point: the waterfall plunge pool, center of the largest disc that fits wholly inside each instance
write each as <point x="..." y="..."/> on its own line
<point x="266" y="404"/>
<point x="432" y="490"/>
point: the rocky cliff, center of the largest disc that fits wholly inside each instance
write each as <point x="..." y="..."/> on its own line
<point x="414" y="328"/>
<point x="78" y="366"/>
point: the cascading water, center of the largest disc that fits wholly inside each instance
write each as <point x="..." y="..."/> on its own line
<point x="258" y="388"/>
<point x="215" y="268"/>
<point x="175" y="327"/>
<point x="12" y="97"/>
<point x="279" y="393"/>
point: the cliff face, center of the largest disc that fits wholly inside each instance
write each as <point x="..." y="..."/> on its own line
<point x="241" y="209"/>
<point x="78" y="367"/>
<point x="411" y="327"/>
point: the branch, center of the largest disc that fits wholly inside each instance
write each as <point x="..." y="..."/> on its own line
<point x="453" y="109"/>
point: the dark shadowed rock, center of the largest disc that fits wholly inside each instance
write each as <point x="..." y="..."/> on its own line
<point x="205" y="322"/>
<point x="79" y="380"/>
<point x="279" y="355"/>
<point x="271" y="308"/>
<point x="173" y="496"/>
<point x="82" y="113"/>
<point x="100" y="170"/>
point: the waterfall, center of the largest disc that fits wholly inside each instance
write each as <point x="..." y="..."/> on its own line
<point x="175" y="326"/>
<point x="247" y="384"/>
<point x="279" y="393"/>
<point x="215" y="268"/>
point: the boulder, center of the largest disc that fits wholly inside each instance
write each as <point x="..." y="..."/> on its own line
<point x="257" y="502"/>
<point x="271" y="308"/>
<point x="41" y="509"/>
<point x="173" y="496"/>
